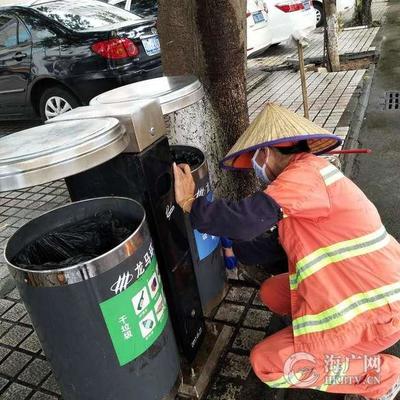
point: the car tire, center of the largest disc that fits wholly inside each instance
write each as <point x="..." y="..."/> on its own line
<point x="319" y="8"/>
<point x="55" y="101"/>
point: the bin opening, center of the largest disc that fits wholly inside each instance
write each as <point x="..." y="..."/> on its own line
<point x="187" y="155"/>
<point x="76" y="243"/>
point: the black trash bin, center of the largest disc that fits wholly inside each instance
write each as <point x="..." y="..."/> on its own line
<point x="143" y="172"/>
<point x="206" y="249"/>
<point x="103" y="323"/>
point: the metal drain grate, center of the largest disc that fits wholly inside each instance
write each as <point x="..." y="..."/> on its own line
<point x="392" y="101"/>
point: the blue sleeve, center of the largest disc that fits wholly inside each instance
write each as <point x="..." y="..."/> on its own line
<point x="264" y="249"/>
<point x="238" y="220"/>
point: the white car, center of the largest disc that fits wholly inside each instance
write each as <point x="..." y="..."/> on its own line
<point x="268" y="21"/>
<point x="344" y="8"/>
<point x="274" y="21"/>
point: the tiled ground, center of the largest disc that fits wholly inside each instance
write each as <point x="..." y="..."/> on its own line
<point x="329" y="95"/>
<point x="18" y="207"/>
<point x="24" y="371"/>
<point x="351" y="41"/>
<point x="379" y="8"/>
<point x="234" y="379"/>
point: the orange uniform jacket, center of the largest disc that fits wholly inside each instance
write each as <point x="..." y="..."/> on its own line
<point x="344" y="267"/>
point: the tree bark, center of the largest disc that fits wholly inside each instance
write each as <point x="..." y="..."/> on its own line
<point x="206" y="38"/>
<point x="363" y="13"/>
<point x="331" y="35"/>
<point x="180" y="41"/>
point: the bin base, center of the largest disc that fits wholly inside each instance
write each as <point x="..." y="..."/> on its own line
<point x="196" y="376"/>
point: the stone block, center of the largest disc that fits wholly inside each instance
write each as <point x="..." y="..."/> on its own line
<point x="257" y="319"/>
<point x="14" y="363"/>
<point x="228" y="312"/>
<point x="246" y="339"/>
<point x="16" y="392"/>
<point x="240" y="294"/>
<point x="35" y="372"/>
<point x="236" y="366"/>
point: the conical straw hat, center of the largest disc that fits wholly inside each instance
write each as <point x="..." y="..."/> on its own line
<point x="277" y="126"/>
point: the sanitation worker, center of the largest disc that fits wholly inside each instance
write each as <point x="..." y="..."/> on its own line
<point x="342" y="290"/>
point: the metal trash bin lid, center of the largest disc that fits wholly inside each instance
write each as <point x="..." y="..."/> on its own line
<point x="173" y="92"/>
<point x="143" y="120"/>
<point x="49" y="152"/>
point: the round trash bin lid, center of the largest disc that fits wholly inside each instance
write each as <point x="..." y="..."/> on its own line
<point x="173" y="92"/>
<point x="50" y="152"/>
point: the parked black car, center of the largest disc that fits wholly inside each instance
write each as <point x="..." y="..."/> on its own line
<point x="56" y="55"/>
<point x="144" y="8"/>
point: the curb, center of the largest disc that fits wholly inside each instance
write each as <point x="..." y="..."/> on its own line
<point x="360" y="105"/>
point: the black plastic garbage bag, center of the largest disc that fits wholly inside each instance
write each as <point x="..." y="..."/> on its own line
<point x="187" y="156"/>
<point x="75" y="243"/>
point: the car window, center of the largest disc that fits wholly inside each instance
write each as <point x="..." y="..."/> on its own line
<point x="39" y="31"/>
<point x="144" y="8"/>
<point x="118" y="3"/>
<point x="24" y="36"/>
<point x="85" y="15"/>
<point x="8" y="32"/>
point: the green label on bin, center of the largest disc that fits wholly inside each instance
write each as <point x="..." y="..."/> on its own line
<point x="137" y="316"/>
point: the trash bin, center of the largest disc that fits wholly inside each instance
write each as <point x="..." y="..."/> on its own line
<point x="206" y="249"/>
<point x="181" y="95"/>
<point x="188" y="113"/>
<point x="144" y="172"/>
<point x="103" y="323"/>
<point x="49" y="152"/>
<point x="173" y="92"/>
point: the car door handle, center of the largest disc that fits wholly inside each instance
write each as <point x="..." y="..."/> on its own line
<point x="19" y="56"/>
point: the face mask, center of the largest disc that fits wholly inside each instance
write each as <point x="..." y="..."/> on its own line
<point x="260" y="171"/>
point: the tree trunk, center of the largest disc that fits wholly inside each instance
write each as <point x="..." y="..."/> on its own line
<point x="182" y="52"/>
<point x="331" y="35"/>
<point x="207" y="38"/>
<point x="363" y="13"/>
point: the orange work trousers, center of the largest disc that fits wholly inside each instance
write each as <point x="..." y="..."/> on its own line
<point x="357" y="370"/>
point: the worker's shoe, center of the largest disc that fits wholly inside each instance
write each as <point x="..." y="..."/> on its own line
<point x="390" y="395"/>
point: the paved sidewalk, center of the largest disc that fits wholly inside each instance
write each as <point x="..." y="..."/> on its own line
<point x="378" y="9"/>
<point x="352" y="41"/>
<point x="329" y="95"/>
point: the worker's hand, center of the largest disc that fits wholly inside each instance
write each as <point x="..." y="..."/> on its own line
<point x="184" y="186"/>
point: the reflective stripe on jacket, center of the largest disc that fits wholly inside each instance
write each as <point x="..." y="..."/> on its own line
<point x="344" y="267"/>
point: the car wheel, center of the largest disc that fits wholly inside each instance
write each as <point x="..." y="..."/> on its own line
<point x="319" y="10"/>
<point x="56" y="101"/>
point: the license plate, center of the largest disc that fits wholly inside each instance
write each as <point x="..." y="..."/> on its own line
<point x="151" y="45"/>
<point x="258" y="17"/>
<point x="306" y="4"/>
